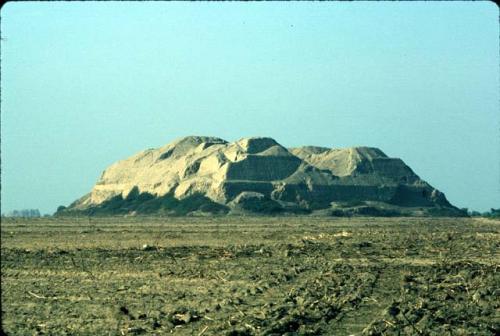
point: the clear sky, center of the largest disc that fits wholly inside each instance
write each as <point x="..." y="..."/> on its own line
<point x="84" y="84"/>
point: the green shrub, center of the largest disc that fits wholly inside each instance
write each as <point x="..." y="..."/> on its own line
<point x="350" y="204"/>
<point x="318" y="204"/>
<point x="339" y="213"/>
<point x="214" y="208"/>
<point x="263" y="205"/>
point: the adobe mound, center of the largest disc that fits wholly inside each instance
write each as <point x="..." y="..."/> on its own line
<point x="258" y="175"/>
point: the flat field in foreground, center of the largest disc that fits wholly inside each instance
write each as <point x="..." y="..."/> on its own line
<point x="250" y="276"/>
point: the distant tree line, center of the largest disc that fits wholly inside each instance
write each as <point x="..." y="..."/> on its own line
<point x="493" y="213"/>
<point x="23" y="213"/>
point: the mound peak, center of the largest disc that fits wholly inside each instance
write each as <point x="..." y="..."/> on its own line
<point x="254" y="145"/>
<point x="259" y="169"/>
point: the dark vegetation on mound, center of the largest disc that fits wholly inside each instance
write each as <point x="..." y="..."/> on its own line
<point x="374" y="211"/>
<point x="366" y="211"/>
<point x="137" y="203"/>
<point x="146" y="203"/>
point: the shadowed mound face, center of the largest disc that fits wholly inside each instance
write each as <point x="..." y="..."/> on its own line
<point x="259" y="169"/>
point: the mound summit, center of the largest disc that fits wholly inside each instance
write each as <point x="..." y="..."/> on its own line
<point x="198" y="174"/>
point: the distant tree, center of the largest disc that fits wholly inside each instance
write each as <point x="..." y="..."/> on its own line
<point x="24" y="213"/>
<point x="493" y="213"/>
<point x="474" y="213"/>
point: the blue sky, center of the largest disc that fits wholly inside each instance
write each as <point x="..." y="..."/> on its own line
<point x="84" y="84"/>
